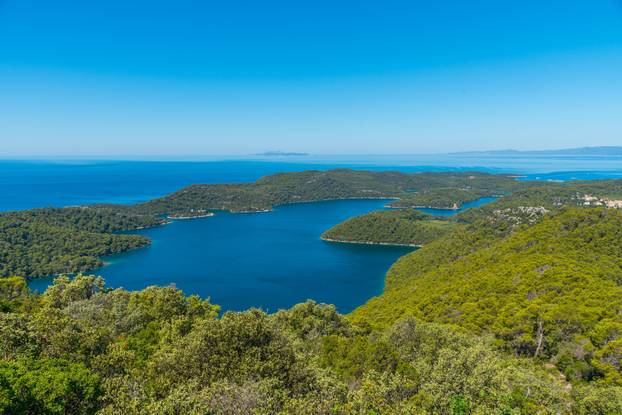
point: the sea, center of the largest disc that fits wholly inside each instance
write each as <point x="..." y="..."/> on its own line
<point x="267" y="260"/>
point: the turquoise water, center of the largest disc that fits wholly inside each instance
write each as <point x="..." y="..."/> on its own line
<point x="270" y="260"/>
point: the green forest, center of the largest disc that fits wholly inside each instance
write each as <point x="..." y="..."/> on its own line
<point x="49" y="241"/>
<point x="414" y="189"/>
<point x="510" y="308"/>
<point x="401" y="226"/>
<point x="522" y="206"/>
<point x="81" y="348"/>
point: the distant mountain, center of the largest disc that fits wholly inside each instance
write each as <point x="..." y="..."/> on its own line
<point x="580" y="151"/>
<point x="281" y="153"/>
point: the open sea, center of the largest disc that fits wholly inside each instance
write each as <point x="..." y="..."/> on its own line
<point x="269" y="260"/>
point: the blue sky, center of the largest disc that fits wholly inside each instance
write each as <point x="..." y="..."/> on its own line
<point x="167" y="78"/>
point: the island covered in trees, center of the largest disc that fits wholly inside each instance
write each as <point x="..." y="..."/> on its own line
<point x="513" y="307"/>
<point x="47" y="241"/>
<point x="396" y="227"/>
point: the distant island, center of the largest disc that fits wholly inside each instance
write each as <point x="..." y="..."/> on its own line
<point x="281" y="154"/>
<point x="579" y="151"/>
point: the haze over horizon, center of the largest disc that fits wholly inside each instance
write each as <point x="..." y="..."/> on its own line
<point x="213" y="78"/>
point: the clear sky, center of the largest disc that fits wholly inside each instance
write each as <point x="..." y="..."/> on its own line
<point x="205" y="77"/>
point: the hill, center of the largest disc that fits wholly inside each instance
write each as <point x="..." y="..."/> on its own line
<point x="522" y="206"/>
<point x="80" y="348"/>
<point x="444" y="190"/>
<point x="47" y="241"/>
<point x="402" y="227"/>
<point x="513" y="308"/>
<point x="551" y="290"/>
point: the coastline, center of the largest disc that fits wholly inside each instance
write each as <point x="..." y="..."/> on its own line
<point x="370" y="243"/>
<point x="168" y="219"/>
<point x="424" y="207"/>
<point x="206" y="215"/>
<point x="163" y="223"/>
<point x="251" y="211"/>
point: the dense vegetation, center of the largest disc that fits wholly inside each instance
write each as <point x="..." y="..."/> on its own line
<point x="553" y="196"/>
<point x="82" y="349"/>
<point x="523" y="206"/>
<point x="511" y="308"/>
<point x="402" y="226"/>
<point x="551" y="291"/>
<point x="416" y="189"/>
<point x="49" y="241"/>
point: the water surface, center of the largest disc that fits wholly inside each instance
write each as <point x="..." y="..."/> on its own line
<point x="270" y="260"/>
<point x="29" y="184"/>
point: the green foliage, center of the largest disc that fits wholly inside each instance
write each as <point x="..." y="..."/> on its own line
<point x="550" y="291"/>
<point x="512" y="308"/>
<point x="13" y="292"/>
<point x="49" y="386"/>
<point x="83" y="348"/>
<point x="51" y="241"/>
<point x="43" y="242"/>
<point x="403" y="227"/>
<point x="459" y="405"/>
<point x="309" y="321"/>
<point x="429" y="189"/>
<point x="352" y="357"/>
<point x="597" y="400"/>
<point x="459" y="371"/>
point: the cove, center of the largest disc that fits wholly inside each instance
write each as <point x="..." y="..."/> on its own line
<point x="269" y="260"/>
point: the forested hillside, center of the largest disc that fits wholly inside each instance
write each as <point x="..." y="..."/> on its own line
<point x="523" y="206"/>
<point x="444" y="190"/>
<point x="50" y="241"/>
<point x="403" y="226"/>
<point x="553" y="196"/>
<point x="510" y="308"/>
<point x="41" y="242"/>
<point x="550" y="291"/>
<point x="83" y="349"/>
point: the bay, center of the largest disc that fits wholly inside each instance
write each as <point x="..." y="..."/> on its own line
<point x="269" y="260"/>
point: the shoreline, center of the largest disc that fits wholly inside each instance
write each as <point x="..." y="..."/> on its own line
<point x="370" y="243"/>
<point x="140" y="228"/>
<point x="169" y="220"/>
<point x="206" y="215"/>
<point x="245" y="212"/>
<point x="424" y="207"/>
